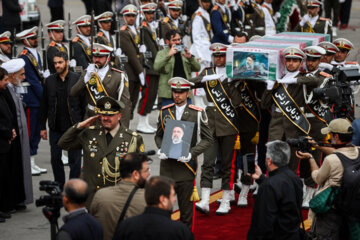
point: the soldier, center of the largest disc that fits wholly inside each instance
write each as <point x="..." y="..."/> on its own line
<point x="5" y="47"/>
<point x="129" y="44"/>
<point x="312" y="22"/>
<point x="344" y="47"/>
<point x="224" y="125"/>
<point x="172" y="20"/>
<point x="270" y="28"/>
<point x="183" y="169"/>
<point x="100" y="80"/>
<point x="331" y="50"/>
<point x="104" y="22"/>
<point x="149" y="37"/>
<point x="255" y="20"/>
<point x="103" y="145"/>
<point x="56" y="34"/>
<point x="81" y="43"/>
<point x="33" y="83"/>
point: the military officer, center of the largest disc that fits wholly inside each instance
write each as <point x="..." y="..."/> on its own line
<point x="331" y="49"/>
<point x="81" y="43"/>
<point x="104" y="22"/>
<point x="56" y="34"/>
<point x="344" y="47"/>
<point x="224" y="125"/>
<point x="312" y="22"/>
<point x="172" y="20"/>
<point x="255" y="20"/>
<point x="103" y="145"/>
<point x="129" y="44"/>
<point x="183" y="169"/>
<point x="33" y="83"/>
<point x="100" y="80"/>
<point x="5" y="47"/>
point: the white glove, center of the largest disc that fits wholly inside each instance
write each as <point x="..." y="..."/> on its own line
<point x="142" y="48"/>
<point x="118" y="52"/>
<point x="304" y="19"/>
<point x="276" y="17"/>
<point x="290" y="80"/>
<point x="46" y="73"/>
<point x="184" y="18"/>
<point x="161" y="42"/>
<point x="72" y="63"/>
<point x="213" y="77"/>
<point x="185" y="159"/>
<point x="89" y="70"/>
<point x="328" y="66"/>
<point x="162" y="156"/>
<point x="269" y="84"/>
<point x="142" y="79"/>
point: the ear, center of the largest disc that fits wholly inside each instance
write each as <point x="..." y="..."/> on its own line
<point x="135" y="175"/>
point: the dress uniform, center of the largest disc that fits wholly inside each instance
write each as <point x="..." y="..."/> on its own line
<point x="102" y="149"/>
<point x="183" y="170"/>
<point x="224" y="125"/>
<point x="255" y="20"/>
<point x="129" y="44"/>
<point x="81" y="43"/>
<point x="5" y="43"/>
<point x="331" y="49"/>
<point x="270" y="28"/>
<point x="33" y="84"/>
<point x="55" y="44"/>
<point x="220" y="23"/>
<point x="168" y="22"/>
<point x="343" y="45"/>
<point x="104" y="22"/>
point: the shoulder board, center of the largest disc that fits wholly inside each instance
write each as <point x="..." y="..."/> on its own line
<point x="100" y="34"/>
<point x="75" y="39"/>
<point x="324" y="74"/>
<point x="117" y="70"/>
<point x="216" y="7"/>
<point x="123" y="28"/>
<point x="144" y="24"/>
<point x="52" y="43"/>
<point x="198" y="13"/>
<point x="351" y="63"/>
<point x="167" y="106"/>
<point x="195" y="108"/>
<point x="166" y="19"/>
<point x="24" y="52"/>
<point x="324" y="19"/>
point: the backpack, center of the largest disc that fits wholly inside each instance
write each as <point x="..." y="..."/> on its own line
<point x="348" y="199"/>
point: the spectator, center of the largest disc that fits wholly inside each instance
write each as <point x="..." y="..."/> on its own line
<point x="78" y="223"/>
<point x="108" y="203"/>
<point x="11" y="10"/>
<point x="155" y="222"/>
<point x="56" y="9"/>
<point x="277" y="208"/>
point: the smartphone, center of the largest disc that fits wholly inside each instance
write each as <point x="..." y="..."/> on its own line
<point x="249" y="163"/>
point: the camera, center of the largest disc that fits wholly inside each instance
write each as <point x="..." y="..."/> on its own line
<point x="179" y="48"/>
<point x="302" y="143"/>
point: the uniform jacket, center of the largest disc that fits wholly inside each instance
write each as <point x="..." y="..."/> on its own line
<point x="92" y="141"/>
<point x="322" y="25"/>
<point x="102" y="39"/>
<point x="165" y="66"/>
<point x="220" y="23"/>
<point x="256" y="21"/>
<point x="109" y="202"/>
<point x="171" y="167"/>
<point x="166" y="25"/>
<point x="52" y="49"/>
<point x="81" y="52"/>
<point x="149" y="38"/>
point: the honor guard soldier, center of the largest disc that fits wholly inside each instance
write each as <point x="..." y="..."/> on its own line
<point x="270" y="28"/>
<point x="287" y="97"/>
<point x="81" y="43"/>
<point x="331" y="49"/>
<point x="104" y="22"/>
<point x="33" y="83"/>
<point x="312" y="22"/>
<point x="149" y="36"/>
<point x="255" y="21"/>
<point x="224" y="125"/>
<point x="172" y="20"/>
<point x="103" y="144"/>
<point x="56" y="34"/>
<point x="130" y="46"/>
<point x="100" y="80"/>
<point x="5" y="47"/>
<point x="183" y="170"/>
<point x="344" y="47"/>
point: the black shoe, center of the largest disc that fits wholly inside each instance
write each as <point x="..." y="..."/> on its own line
<point x="2" y="220"/>
<point x="20" y="207"/>
<point x="5" y="215"/>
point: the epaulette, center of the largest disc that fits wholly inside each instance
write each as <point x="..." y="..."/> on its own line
<point x="123" y="28"/>
<point x="216" y="7"/>
<point x="100" y="34"/>
<point x="324" y="19"/>
<point x="117" y="70"/>
<point x="167" y="106"/>
<point x="198" y="13"/>
<point x="24" y="52"/>
<point x="166" y="19"/>
<point x="195" y="107"/>
<point x="324" y="74"/>
<point x="76" y="39"/>
<point x="144" y="24"/>
<point x="351" y="63"/>
<point x="52" y="44"/>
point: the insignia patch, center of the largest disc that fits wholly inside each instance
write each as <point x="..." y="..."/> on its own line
<point x="142" y="148"/>
<point x="107" y="105"/>
<point x="92" y="155"/>
<point x="213" y="83"/>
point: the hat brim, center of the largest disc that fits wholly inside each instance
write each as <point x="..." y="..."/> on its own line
<point x="180" y="90"/>
<point x="325" y="130"/>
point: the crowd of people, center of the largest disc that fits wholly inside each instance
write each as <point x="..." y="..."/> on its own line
<point x="82" y="94"/>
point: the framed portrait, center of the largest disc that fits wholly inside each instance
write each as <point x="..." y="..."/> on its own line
<point x="177" y="138"/>
<point x="251" y="65"/>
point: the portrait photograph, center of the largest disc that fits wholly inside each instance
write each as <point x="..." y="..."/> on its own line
<point x="251" y="65"/>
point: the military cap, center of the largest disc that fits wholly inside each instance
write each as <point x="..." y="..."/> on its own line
<point x="312" y="3"/>
<point x="314" y="51"/>
<point x="343" y="43"/>
<point x="129" y="9"/>
<point x="329" y="47"/>
<point x="5" y="37"/>
<point x="218" y="48"/>
<point x="176" y="4"/>
<point x="339" y="125"/>
<point x="179" y="84"/>
<point x="56" y="25"/>
<point x="13" y="65"/>
<point x="293" y="52"/>
<point x="150" y="7"/>
<point x="101" y="49"/>
<point x="105" y="16"/>
<point x="108" y="106"/>
<point x="28" y="33"/>
<point x="84" y="20"/>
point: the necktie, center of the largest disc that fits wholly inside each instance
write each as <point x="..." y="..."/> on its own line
<point x="108" y="138"/>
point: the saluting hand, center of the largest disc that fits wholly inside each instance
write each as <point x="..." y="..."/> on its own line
<point x="88" y="122"/>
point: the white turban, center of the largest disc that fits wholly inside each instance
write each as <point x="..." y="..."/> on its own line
<point x="13" y="65"/>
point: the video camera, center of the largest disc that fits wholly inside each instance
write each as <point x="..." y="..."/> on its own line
<point x="338" y="93"/>
<point x="302" y="144"/>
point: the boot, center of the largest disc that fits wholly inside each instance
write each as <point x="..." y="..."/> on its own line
<point x="142" y="127"/>
<point x="308" y="196"/>
<point x="334" y="33"/>
<point x="238" y="185"/>
<point x="148" y="124"/>
<point x="34" y="171"/>
<point x="224" y="207"/>
<point x="242" y="201"/>
<point x="64" y="158"/>
<point x="232" y="198"/>
<point x="203" y="205"/>
<point x="41" y="170"/>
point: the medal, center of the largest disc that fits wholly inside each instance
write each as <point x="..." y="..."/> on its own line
<point x="92" y="154"/>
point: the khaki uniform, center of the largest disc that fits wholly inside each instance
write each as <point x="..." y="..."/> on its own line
<point x="180" y="172"/>
<point x="81" y="53"/>
<point x="166" y="25"/>
<point x="96" y="153"/>
<point x="322" y="25"/>
<point x="102" y="39"/>
<point x="112" y="81"/>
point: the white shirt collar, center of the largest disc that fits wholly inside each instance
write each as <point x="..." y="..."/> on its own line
<point x="335" y="63"/>
<point x="220" y="70"/>
<point x="4" y="58"/>
<point x="180" y="111"/>
<point x="176" y="22"/>
<point x="221" y="6"/>
<point x="107" y="34"/>
<point x="313" y="20"/>
<point x="85" y="39"/>
<point x="102" y="72"/>
<point x="133" y="29"/>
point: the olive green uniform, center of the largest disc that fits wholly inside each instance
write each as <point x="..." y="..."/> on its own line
<point x="255" y="21"/>
<point x="322" y="25"/>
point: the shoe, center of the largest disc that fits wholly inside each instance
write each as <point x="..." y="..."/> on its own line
<point x="34" y="171"/>
<point x="148" y="124"/>
<point x="307" y="197"/>
<point x="5" y="215"/>
<point x="64" y="158"/>
<point x="203" y="205"/>
<point x="35" y="167"/>
<point x="344" y="26"/>
<point x="334" y="33"/>
<point x="2" y="220"/>
<point x="142" y="127"/>
<point x="224" y="207"/>
<point x="242" y="201"/>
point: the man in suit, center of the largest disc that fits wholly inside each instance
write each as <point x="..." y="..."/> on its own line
<point x="183" y="169"/>
<point x="103" y="145"/>
<point x="81" y="43"/>
<point x="32" y="95"/>
<point x="5" y="47"/>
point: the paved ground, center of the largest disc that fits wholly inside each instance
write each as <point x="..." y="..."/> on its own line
<point x="31" y="224"/>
